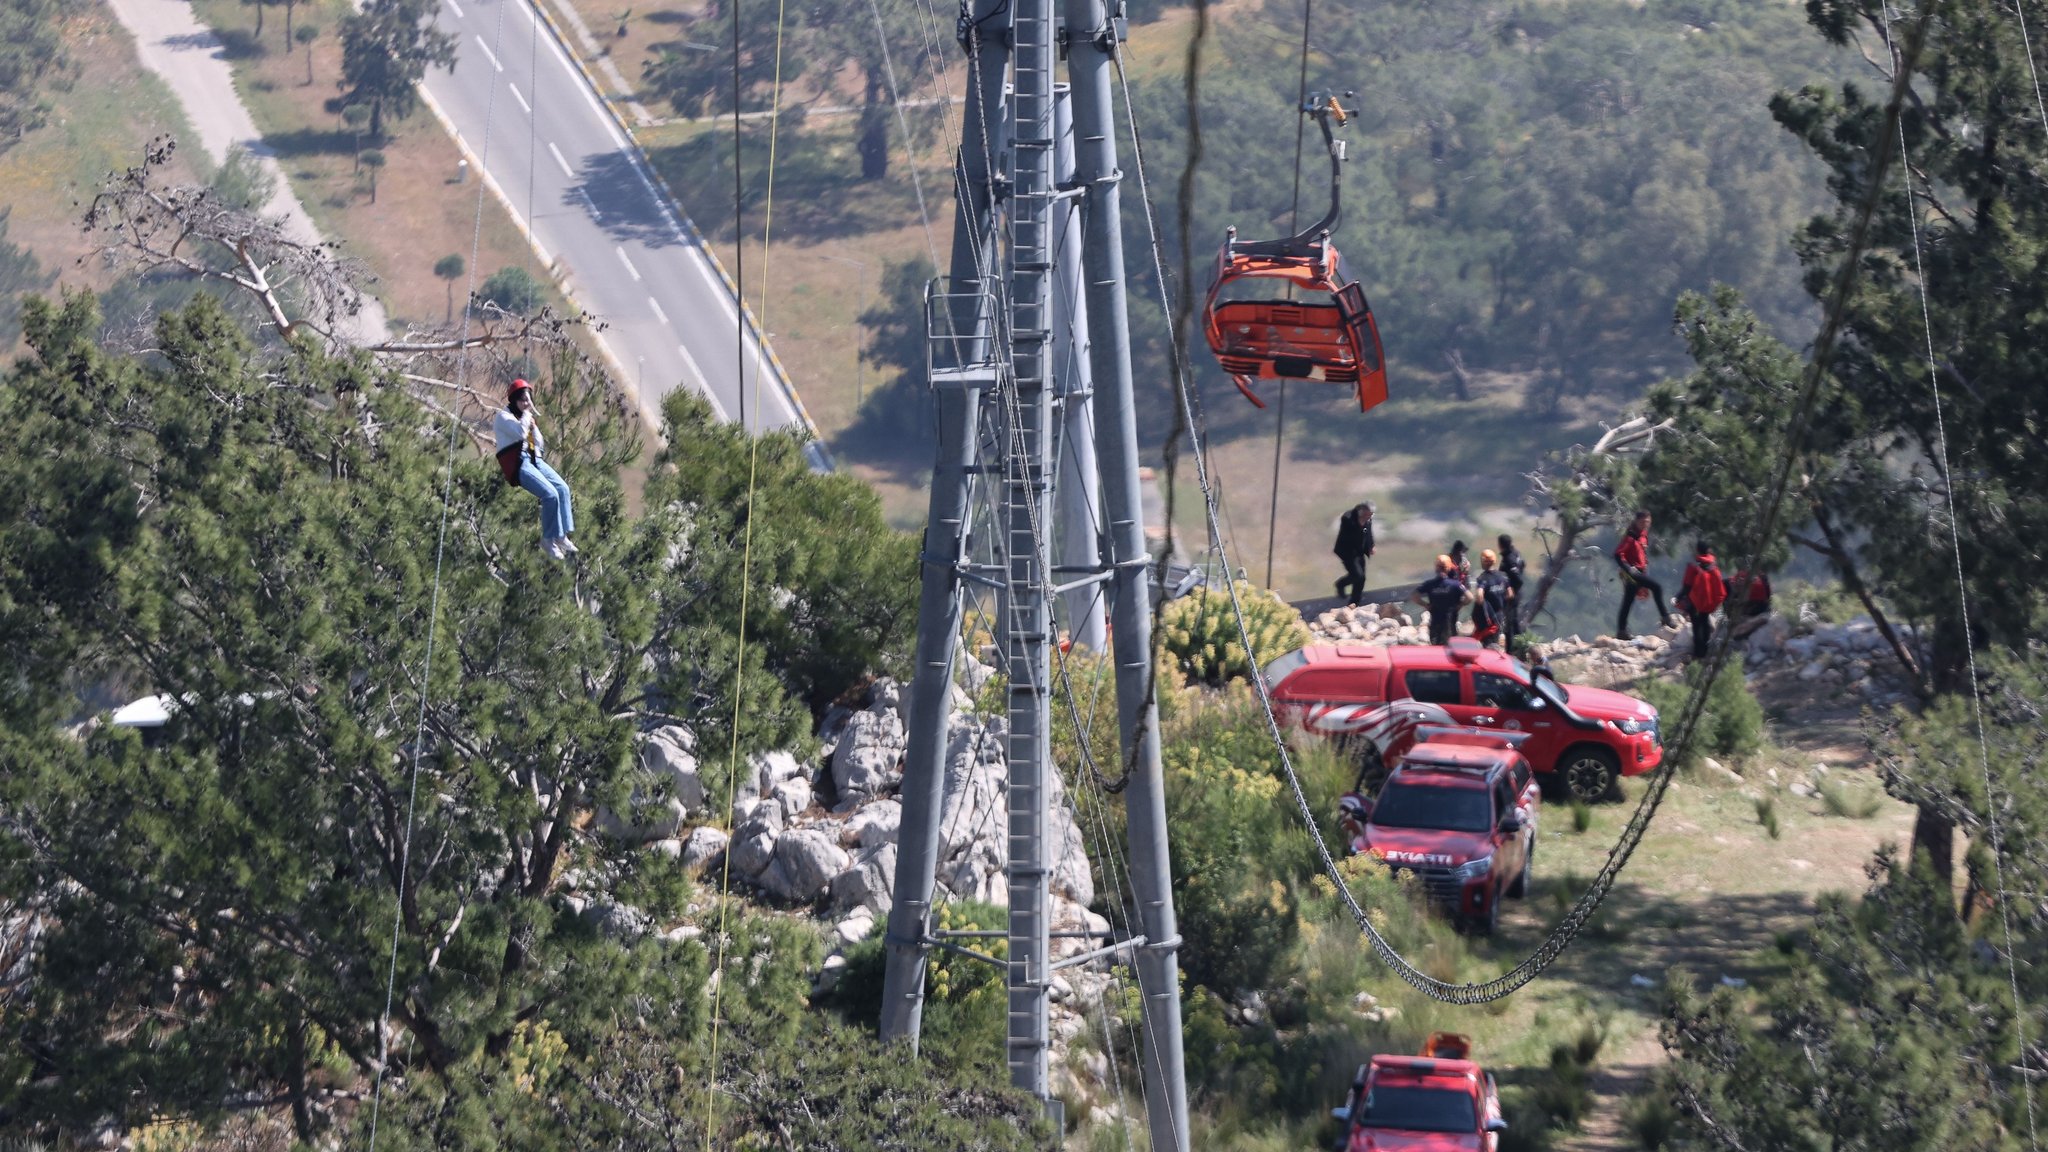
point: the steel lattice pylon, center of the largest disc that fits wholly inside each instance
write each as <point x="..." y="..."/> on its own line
<point x="996" y="331"/>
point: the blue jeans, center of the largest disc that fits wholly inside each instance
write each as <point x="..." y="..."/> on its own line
<point x="556" y="519"/>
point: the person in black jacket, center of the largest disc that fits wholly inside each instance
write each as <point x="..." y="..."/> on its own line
<point x="1443" y="594"/>
<point x="1354" y="544"/>
<point x="1512" y="567"/>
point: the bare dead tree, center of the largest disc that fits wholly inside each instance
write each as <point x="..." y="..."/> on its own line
<point x="1580" y="490"/>
<point x="142" y="221"/>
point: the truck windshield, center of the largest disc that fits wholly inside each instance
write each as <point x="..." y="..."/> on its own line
<point x="1278" y="669"/>
<point x="1444" y="809"/>
<point x="1419" y="1110"/>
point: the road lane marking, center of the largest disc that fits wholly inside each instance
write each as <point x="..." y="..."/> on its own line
<point x="720" y="290"/>
<point x="656" y="304"/>
<point x="458" y="9"/>
<point x="518" y="97"/>
<point x="628" y="263"/>
<point x="590" y="204"/>
<point x="557" y="152"/>
<point x="703" y="382"/>
<point x="492" y="56"/>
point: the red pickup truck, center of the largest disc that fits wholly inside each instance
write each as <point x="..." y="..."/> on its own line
<point x="1459" y="811"/>
<point x="1583" y="738"/>
<point x="1439" y="1101"/>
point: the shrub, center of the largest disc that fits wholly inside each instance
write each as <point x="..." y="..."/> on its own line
<point x="514" y="289"/>
<point x="1566" y="1093"/>
<point x="1731" y="726"/>
<point x="1767" y="814"/>
<point x="1842" y="800"/>
<point x="1582" y="815"/>
<point x="1200" y="632"/>
<point x="1652" y="1120"/>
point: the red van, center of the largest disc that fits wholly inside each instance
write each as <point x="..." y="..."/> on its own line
<point x="1581" y="738"/>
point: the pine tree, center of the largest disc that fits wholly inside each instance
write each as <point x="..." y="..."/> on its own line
<point x="259" y="539"/>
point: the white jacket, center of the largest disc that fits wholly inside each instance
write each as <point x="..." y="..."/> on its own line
<point x="512" y="430"/>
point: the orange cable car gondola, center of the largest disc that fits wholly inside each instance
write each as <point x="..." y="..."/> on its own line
<point x="1335" y="342"/>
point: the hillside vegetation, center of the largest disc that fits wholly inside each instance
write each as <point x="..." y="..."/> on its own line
<point x="372" y="874"/>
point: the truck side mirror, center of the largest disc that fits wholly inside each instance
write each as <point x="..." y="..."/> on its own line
<point x="1341" y="1113"/>
<point x="1511" y="823"/>
<point x="1496" y="1125"/>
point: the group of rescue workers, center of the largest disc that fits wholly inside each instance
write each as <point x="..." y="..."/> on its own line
<point x="1702" y="590"/>
<point x="1495" y="594"/>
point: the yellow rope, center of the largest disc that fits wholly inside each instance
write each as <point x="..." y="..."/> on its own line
<point x="746" y="559"/>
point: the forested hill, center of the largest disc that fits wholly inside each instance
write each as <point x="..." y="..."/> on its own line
<point x="1530" y="186"/>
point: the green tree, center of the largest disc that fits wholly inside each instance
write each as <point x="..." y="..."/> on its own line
<point x="251" y="536"/>
<point x="386" y="49"/>
<point x="514" y="289"/>
<point x="356" y="118"/>
<point x="1893" y="1024"/>
<point x="31" y="51"/>
<point x="241" y="181"/>
<point x="698" y="77"/>
<point x="304" y="35"/>
<point x="449" y="269"/>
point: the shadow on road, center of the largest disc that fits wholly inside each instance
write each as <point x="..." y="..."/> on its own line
<point x="625" y="211"/>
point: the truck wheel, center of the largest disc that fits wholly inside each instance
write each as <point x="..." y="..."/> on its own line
<point x="1520" y="888"/>
<point x="1591" y="773"/>
<point x="1491" y="924"/>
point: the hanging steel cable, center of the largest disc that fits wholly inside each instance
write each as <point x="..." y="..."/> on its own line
<point x="433" y="620"/>
<point x="1991" y="803"/>
<point x="753" y="473"/>
<point x="1188" y="420"/>
<point x="1308" y="12"/>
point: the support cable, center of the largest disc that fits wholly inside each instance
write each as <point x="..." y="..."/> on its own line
<point x="2019" y="8"/>
<point x="1308" y="11"/>
<point x="909" y="142"/>
<point x="1991" y="802"/>
<point x="739" y="670"/>
<point x="476" y="232"/>
<point x="1659" y="782"/>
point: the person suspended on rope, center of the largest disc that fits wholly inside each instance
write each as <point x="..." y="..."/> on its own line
<point x="1700" y="592"/>
<point x="1489" y="599"/>
<point x="1354" y="544"/>
<point x="521" y="457"/>
<point x="1632" y="556"/>
<point x="1443" y="594"/>
<point x="1512" y="567"/>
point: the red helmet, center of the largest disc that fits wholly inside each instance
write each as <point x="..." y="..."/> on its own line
<point x="517" y="387"/>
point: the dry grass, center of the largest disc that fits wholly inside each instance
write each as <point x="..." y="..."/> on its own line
<point x="100" y="118"/>
<point x="1708" y="891"/>
<point x="419" y="215"/>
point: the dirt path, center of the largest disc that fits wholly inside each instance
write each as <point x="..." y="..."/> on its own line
<point x="172" y="43"/>
<point x="1710" y="890"/>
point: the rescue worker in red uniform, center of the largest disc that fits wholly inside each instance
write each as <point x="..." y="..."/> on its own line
<point x="1701" y="591"/>
<point x="1632" y="556"/>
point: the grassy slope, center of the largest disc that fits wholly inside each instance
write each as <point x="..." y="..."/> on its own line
<point x="100" y="118"/>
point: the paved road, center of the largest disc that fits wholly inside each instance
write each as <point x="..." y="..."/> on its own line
<point x="592" y="207"/>
<point x="190" y="60"/>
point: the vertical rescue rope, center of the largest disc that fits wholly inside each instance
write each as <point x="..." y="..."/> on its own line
<point x="412" y="792"/>
<point x="739" y="671"/>
<point x="2019" y="1015"/>
<point x="1308" y="10"/>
